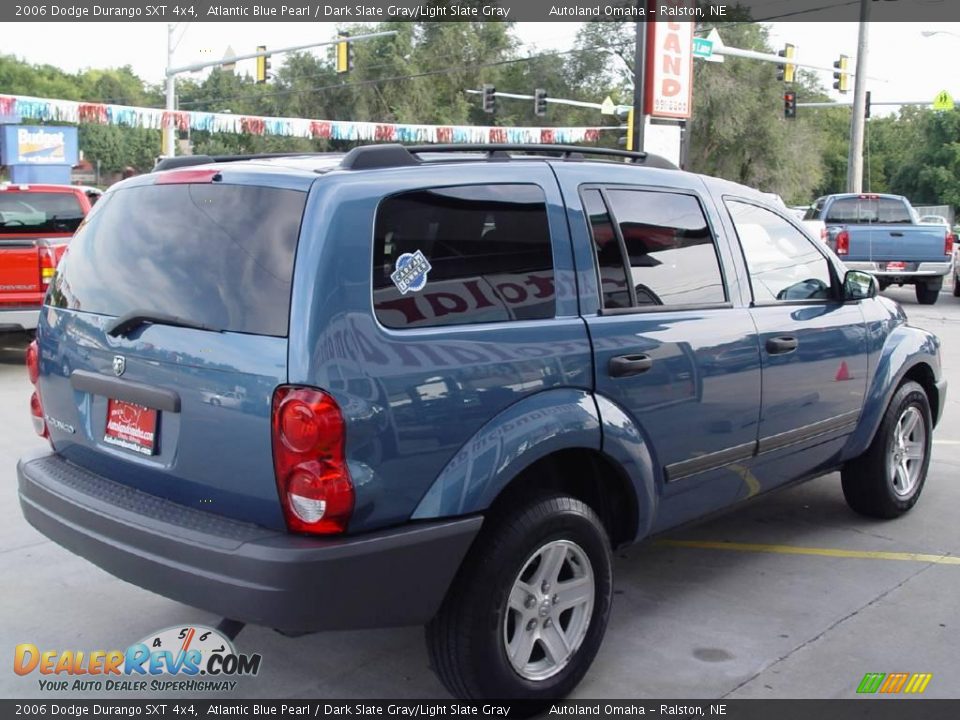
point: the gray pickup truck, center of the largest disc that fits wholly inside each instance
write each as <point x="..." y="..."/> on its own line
<point x="882" y="235"/>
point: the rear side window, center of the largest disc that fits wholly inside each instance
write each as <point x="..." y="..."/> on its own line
<point x="606" y="245"/>
<point x="460" y="255"/>
<point x="670" y="249"/>
<point x="865" y="210"/>
<point x="39" y="212"/>
<point x="221" y="255"/>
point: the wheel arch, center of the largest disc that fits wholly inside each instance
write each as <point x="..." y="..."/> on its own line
<point x="553" y="440"/>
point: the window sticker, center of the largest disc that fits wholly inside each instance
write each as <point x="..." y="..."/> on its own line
<point x="411" y="272"/>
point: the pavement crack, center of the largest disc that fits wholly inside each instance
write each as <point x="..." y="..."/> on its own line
<point x="823" y="632"/>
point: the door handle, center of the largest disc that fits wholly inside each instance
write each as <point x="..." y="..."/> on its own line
<point x="896" y="234"/>
<point x="782" y="345"/>
<point x="627" y="365"/>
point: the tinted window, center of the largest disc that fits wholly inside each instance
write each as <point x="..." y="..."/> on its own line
<point x="613" y="274"/>
<point x="813" y="212"/>
<point x="783" y="263"/>
<point x="859" y="210"/>
<point x="37" y="212"/>
<point x="221" y="255"/>
<point x="673" y="260"/>
<point x="469" y="254"/>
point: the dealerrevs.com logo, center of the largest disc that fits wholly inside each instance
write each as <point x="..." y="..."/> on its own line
<point x="183" y="659"/>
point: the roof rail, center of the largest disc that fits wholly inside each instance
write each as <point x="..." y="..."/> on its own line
<point x="396" y="155"/>
<point x="169" y="163"/>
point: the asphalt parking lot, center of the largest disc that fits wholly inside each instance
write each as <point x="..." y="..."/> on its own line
<point x="769" y="619"/>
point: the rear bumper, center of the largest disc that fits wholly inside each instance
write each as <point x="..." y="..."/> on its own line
<point x="923" y="270"/>
<point x="244" y="572"/>
<point x="19" y="319"/>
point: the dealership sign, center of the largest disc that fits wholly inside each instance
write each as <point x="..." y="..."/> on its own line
<point x="669" y="77"/>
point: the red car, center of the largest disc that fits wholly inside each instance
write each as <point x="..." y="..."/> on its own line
<point x="36" y="223"/>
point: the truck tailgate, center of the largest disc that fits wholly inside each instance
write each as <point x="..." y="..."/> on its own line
<point x="19" y="268"/>
<point x="909" y="243"/>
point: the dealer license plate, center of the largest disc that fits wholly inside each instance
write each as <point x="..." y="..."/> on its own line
<point x="896" y="266"/>
<point x="131" y="426"/>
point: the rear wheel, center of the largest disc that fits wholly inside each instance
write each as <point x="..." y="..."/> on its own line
<point x="927" y="294"/>
<point x="956" y="286"/>
<point x="887" y="479"/>
<point x="529" y="608"/>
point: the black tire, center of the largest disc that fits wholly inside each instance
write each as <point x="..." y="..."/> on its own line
<point x="927" y="294"/>
<point x="467" y="638"/>
<point x="869" y="485"/>
<point x="956" y="286"/>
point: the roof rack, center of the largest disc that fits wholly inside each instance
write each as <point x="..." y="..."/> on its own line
<point x="395" y="155"/>
<point x="169" y="163"/>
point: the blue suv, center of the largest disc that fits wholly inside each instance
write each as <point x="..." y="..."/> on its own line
<point x="438" y="385"/>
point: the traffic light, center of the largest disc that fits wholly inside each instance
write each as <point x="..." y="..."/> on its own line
<point x="790" y="105"/>
<point x="787" y="71"/>
<point x="866" y="107"/>
<point x="539" y="102"/>
<point x="489" y="99"/>
<point x="263" y="65"/>
<point x="625" y="115"/>
<point x="841" y="81"/>
<point x="344" y="54"/>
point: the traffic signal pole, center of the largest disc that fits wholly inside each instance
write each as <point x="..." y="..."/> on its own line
<point x="857" y="122"/>
<point x="172" y="72"/>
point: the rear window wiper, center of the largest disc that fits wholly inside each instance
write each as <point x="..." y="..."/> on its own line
<point x="125" y="324"/>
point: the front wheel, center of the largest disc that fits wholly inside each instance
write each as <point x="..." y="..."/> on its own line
<point x="887" y="479"/>
<point x="928" y="294"/>
<point x="529" y="608"/>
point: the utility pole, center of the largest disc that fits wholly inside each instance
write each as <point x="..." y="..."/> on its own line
<point x="169" y="133"/>
<point x="857" y="122"/>
<point x="639" y="75"/>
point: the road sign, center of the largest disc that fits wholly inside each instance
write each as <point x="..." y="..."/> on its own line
<point x="608" y="107"/>
<point x="229" y="60"/>
<point x="943" y="101"/>
<point x="702" y="47"/>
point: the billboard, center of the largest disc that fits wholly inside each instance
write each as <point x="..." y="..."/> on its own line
<point x="669" y="77"/>
<point x="39" y="145"/>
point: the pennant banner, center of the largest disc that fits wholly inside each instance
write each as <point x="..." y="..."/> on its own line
<point x="70" y="111"/>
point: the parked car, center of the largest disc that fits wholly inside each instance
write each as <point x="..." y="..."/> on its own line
<point x="813" y="222"/>
<point x="882" y="235"/>
<point x="487" y="369"/>
<point x="36" y="222"/>
<point x="936" y="220"/>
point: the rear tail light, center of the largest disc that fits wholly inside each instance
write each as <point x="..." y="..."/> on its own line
<point x="36" y="414"/>
<point x="309" y="461"/>
<point x="48" y="265"/>
<point x="33" y="362"/>
<point x="948" y="244"/>
<point x="36" y="407"/>
<point x="843" y="243"/>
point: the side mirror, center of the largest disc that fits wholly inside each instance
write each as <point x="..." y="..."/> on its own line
<point x="859" y="285"/>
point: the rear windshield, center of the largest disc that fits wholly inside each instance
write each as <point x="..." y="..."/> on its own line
<point x="39" y="212"/>
<point x="221" y="255"/>
<point x="856" y="210"/>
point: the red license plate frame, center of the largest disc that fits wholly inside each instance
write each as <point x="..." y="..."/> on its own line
<point x="131" y="426"/>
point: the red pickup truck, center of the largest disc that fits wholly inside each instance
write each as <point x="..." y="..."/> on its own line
<point x="36" y="223"/>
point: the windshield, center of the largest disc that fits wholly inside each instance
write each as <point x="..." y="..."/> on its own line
<point x="868" y="210"/>
<point x="39" y="212"/>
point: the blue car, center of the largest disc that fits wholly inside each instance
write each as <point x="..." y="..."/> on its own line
<point x="460" y="377"/>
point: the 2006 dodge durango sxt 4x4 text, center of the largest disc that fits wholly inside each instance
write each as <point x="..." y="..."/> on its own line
<point x="437" y="385"/>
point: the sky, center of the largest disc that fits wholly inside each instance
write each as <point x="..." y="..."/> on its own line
<point x="902" y="64"/>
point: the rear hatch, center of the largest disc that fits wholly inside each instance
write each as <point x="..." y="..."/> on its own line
<point x="32" y="226"/>
<point x="165" y="335"/>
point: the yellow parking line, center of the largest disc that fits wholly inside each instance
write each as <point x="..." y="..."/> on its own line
<point x="822" y="552"/>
